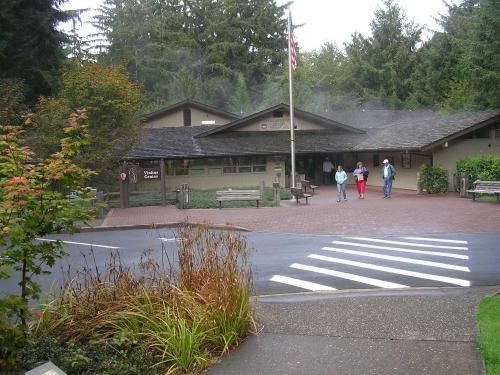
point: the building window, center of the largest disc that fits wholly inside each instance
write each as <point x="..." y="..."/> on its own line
<point x="483" y="133"/>
<point x="244" y="165"/>
<point x="148" y="163"/>
<point x="278" y="114"/>
<point x="497" y="131"/>
<point x="215" y="167"/>
<point x="177" y="167"/>
<point x="187" y="117"/>
<point x="376" y="160"/>
<point x="406" y="160"/>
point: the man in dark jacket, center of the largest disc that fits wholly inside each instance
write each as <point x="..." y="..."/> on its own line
<point x="388" y="172"/>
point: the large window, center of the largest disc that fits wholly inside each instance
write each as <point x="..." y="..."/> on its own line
<point x="177" y="167"/>
<point x="244" y="164"/>
<point x="215" y="167"/>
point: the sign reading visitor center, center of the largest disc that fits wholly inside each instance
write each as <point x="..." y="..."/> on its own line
<point x="151" y="174"/>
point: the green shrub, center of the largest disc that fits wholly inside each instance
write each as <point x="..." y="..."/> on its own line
<point x="88" y="358"/>
<point x="434" y="179"/>
<point x="485" y="168"/>
<point x="201" y="199"/>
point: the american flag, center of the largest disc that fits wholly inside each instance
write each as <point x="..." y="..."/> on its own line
<point x="293" y="46"/>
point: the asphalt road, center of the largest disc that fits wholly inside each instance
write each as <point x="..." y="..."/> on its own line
<point x="285" y="263"/>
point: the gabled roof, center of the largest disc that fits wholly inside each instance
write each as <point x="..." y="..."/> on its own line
<point x="286" y="108"/>
<point x="189" y="103"/>
<point x="392" y="130"/>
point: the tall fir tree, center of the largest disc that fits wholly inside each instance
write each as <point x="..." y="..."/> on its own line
<point x="31" y="47"/>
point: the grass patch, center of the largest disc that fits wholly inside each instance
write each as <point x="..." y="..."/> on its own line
<point x="201" y="199"/>
<point x="488" y="318"/>
<point x="176" y="315"/>
<point x="486" y="197"/>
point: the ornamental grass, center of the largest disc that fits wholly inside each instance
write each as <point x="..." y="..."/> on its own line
<point x="184" y="310"/>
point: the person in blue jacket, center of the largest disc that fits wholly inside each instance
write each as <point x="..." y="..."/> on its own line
<point x="341" y="179"/>
<point x="388" y="172"/>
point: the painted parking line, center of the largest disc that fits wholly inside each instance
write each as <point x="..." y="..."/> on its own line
<point x="80" y="243"/>
<point x="402" y="250"/>
<point x="399" y="259"/>
<point x="427" y="276"/>
<point x="408" y="243"/>
<point x="435" y="240"/>
<point x="300" y="283"/>
<point x="348" y="276"/>
<point x="171" y="239"/>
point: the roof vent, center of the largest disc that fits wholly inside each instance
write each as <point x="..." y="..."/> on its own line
<point x="208" y="122"/>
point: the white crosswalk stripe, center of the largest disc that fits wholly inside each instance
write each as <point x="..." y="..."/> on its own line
<point x="435" y="240"/>
<point x="408" y="243"/>
<point x="402" y="250"/>
<point x="427" y="276"/>
<point x="300" y="283"/>
<point x="399" y="259"/>
<point x="348" y="276"/>
<point x="376" y="248"/>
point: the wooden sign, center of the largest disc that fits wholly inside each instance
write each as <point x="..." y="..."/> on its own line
<point x="149" y="174"/>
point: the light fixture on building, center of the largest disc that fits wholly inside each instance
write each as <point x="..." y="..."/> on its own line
<point x="445" y="144"/>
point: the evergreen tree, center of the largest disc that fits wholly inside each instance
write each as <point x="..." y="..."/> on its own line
<point x="164" y="41"/>
<point x="30" y="45"/>
<point x="380" y="67"/>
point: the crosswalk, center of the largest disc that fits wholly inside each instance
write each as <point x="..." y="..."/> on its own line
<point x="366" y="262"/>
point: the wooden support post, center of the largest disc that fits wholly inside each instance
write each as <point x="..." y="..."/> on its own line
<point x="163" y="183"/>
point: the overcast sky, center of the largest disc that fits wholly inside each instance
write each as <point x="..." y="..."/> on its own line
<point x="327" y="20"/>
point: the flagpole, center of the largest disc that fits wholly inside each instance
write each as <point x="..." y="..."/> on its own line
<point x="292" y="133"/>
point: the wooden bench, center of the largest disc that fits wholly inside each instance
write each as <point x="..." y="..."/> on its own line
<point x="485" y="187"/>
<point x="307" y="184"/>
<point x="300" y="194"/>
<point x="237" y="195"/>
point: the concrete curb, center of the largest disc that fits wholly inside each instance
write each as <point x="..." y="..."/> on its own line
<point x="349" y="293"/>
<point x="161" y="225"/>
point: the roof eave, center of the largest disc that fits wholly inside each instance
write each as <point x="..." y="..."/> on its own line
<point x="192" y="103"/>
<point x="458" y="134"/>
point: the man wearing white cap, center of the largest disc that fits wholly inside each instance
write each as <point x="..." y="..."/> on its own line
<point x="388" y="173"/>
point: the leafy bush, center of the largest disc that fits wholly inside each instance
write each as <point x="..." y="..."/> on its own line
<point x="183" y="313"/>
<point x="88" y="358"/>
<point x="434" y="179"/>
<point x="200" y="199"/>
<point x="485" y="168"/>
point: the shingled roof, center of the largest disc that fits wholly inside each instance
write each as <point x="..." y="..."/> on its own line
<point x="356" y="131"/>
<point x="421" y="134"/>
<point x="178" y="143"/>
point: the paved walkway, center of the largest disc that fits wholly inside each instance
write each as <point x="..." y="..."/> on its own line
<point x="405" y="213"/>
<point x="419" y="331"/>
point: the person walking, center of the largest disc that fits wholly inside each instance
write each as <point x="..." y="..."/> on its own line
<point x="327" y="171"/>
<point x="341" y="179"/>
<point x="388" y="172"/>
<point x="361" y="176"/>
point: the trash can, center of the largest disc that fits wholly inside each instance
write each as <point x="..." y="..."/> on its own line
<point x="182" y="194"/>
